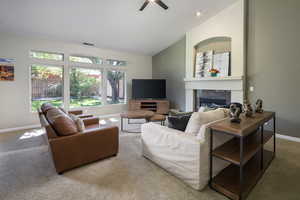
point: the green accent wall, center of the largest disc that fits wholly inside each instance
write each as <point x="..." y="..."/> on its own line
<point x="169" y="64"/>
<point x="274" y="60"/>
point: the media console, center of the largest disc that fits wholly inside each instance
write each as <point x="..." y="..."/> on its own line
<point x="158" y="106"/>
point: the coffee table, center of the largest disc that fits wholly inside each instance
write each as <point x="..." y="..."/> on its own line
<point x="157" y="118"/>
<point x="135" y="114"/>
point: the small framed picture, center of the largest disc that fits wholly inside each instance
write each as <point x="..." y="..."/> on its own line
<point x="7" y="72"/>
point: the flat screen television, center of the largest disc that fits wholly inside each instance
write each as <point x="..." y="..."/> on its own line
<point x="148" y="89"/>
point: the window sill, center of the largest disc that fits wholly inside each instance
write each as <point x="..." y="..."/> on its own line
<point x="106" y="105"/>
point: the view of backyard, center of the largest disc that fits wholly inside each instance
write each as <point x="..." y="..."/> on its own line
<point x="85" y="86"/>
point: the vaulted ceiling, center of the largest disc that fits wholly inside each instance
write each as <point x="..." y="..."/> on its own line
<point x="113" y="24"/>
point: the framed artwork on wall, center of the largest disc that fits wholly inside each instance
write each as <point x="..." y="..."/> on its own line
<point x="7" y="72"/>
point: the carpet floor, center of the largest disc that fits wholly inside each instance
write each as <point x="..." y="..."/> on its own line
<point x="27" y="173"/>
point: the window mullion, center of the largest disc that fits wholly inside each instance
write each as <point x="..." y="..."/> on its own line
<point x="104" y="86"/>
<point x="66" y="91"/>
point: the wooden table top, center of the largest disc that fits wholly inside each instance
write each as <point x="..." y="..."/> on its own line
<point x="137" y="114"/>
<point x="247" y="125"/>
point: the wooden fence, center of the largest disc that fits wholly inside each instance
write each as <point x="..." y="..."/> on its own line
<point x="46" y="88"/>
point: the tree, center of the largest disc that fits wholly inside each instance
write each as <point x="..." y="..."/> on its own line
<point x="75" y="84"/>
<point x="83" y="84"/>
<point x="114" y="78"/>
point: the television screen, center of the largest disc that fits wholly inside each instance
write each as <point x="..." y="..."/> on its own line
<point x="148" y="89"/>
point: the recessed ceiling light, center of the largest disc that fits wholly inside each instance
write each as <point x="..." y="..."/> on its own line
<point x="198" y="13"/>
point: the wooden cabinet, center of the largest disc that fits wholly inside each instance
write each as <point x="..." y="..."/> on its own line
<point x="158" y="106"/>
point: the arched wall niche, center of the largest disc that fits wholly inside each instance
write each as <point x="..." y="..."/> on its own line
<point x="216" y="44"/>
<point x="214" y="52"/>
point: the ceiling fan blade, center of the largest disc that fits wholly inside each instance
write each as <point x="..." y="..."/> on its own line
<point x="159" y="2"/>
<point x="144" y="5"/>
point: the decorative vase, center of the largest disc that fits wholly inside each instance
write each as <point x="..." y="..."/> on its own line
<point x="213" y="74"/>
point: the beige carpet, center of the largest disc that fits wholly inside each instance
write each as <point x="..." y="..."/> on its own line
<point x="28" y="174"/>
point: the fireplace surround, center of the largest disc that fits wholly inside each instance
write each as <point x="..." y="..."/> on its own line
<point x="233" y="84"/>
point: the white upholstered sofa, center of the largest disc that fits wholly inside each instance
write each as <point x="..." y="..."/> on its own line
<point x="184" y="154"/>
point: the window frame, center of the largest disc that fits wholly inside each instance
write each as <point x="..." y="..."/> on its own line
<point x="66" y="64"/>
<point x="45" y="59"/>
<point x="111" y="65"/>
<point x="84" y="63"/>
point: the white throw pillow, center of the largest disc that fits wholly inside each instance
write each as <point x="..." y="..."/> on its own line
<point x="79" y="123"/>
<point x="200" y="118"/>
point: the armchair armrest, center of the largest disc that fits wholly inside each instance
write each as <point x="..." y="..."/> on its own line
<point x="72" y="151"/>
<point x="76" y="112"/>
<point x="90" y="121"/>
<point x="85" y="116"/>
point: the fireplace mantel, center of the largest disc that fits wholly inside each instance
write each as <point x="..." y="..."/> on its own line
<point x="227" y="78"/>
<point x="232" y="83"/>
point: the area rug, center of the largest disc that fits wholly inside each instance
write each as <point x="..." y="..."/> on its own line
<point x="29" y="174"/>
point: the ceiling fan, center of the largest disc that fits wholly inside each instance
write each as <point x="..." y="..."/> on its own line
<point x="159" y="2"/>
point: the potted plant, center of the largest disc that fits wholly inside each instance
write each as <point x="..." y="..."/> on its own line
<point x="214" y="72"/>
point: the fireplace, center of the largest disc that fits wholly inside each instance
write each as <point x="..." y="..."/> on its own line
<point x="211" y="98"/>
<point x="215" y="90"/>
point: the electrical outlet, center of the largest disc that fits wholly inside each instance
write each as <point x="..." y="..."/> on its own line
<point x="251" y="88"/>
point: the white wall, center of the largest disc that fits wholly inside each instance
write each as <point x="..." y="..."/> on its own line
<point x="228" y="23"/>
<point x="15" y="96"/>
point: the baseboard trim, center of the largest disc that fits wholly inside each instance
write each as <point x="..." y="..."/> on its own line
<point x="19" y="128"/>
<point x="289" y="138"/>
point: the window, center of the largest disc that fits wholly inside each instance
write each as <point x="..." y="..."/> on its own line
<point x="115" y="62"/>
<point x="86" y="59"/>
<point x="85" y="87"/>
<point x="46" y="85"/>
<point x="47" y="55"/>
<point x="115" y="87"/>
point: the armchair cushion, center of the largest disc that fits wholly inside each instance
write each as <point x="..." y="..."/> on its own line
<point x="62" y="109"/>
<point x="46" y="107"/>
<point x="61" y="122"/>
<point x="79" y="123"/>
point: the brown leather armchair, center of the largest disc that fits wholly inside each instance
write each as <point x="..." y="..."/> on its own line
<point x="77" y="149"/>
